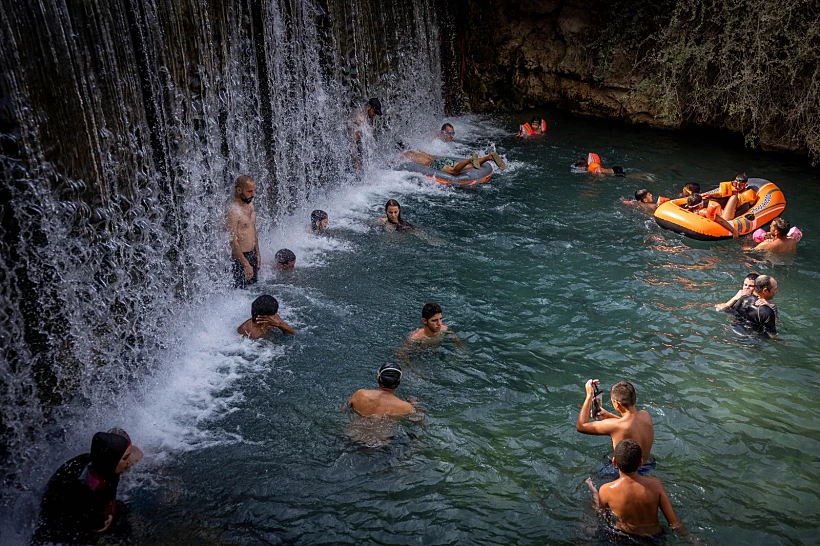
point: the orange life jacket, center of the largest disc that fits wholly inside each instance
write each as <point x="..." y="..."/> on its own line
<point x="593" y="158"/>
<point x="712" y="209"/>
<point x="594" y="167"/>
<point x="526" y="129"/>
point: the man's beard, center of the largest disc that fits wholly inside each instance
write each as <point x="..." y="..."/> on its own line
<point x="246" y="200"/>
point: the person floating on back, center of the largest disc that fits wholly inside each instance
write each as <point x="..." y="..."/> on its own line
<point x="80" y="501"/>
<point x="264" y="318"/>
<point x="592" y="164"/>
<point x="537" y="126"/>
<point x="633" y="499"/>
<point x="451" y="166"/>
<point x="632" y="423"/>
<point x="382" y="401"/>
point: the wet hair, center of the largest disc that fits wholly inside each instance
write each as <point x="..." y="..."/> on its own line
<point x="752" y="276"/>
<point x="693" y="200"/>
<point x="430" y="309"/>
<point x="742" y="178"/>
<point x="628" y="454"/>
<point x="763" y="282"/>
<point x="242" y="181"/>
<point x="581" y="163"/>
<point x="389" y="375"/>
<point x="691" y="188"/>
<point x="781" y="225"/>
<point x="106" y="451"/>
<point x="624" y="392"/>
<point x="264" y="306"/>
<point x="120" y="432"/>
<point x="315" y="217"/>
<point x="640" y="194"/>
<point x="446" y="126"/>
<point x="284" y="256"/>
<point x="536" y="121"/>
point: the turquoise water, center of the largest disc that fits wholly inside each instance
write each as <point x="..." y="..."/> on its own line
<point x="548" y="280"/>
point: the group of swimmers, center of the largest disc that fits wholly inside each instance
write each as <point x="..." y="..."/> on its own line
<point x="80" y="499"/>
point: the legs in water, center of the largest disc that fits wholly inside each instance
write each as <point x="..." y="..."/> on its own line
<point x="471" y="163"/>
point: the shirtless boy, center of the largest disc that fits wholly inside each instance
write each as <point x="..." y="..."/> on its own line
<point x="264" y="318"/>
<point x="382" y="401"/>
<point x="241" y="222"/>
<point x="633" y="499"/>
<point x="631" y="425"/>
<point x="431" y="317"/>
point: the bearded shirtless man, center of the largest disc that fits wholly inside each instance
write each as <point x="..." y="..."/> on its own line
<point x="241" y="223"/>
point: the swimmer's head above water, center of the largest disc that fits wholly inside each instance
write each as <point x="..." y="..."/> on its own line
<point x="318" y="220"/>
<point x="643" y="196"/>
<point x="285" y="259"/>
<point x="264" y="306"/>
<point x="389" y="376"/>
<point x="628" y="455"/>
<point x="447" y="132"/>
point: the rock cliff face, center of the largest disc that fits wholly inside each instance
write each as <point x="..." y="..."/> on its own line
<point x="576" y="55"/>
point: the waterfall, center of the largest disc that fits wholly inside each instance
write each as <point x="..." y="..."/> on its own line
<point x="123" y="125"/>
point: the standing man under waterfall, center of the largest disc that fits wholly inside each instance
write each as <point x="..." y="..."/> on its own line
<point x="362" y="130"/>
<point x="241" y="223"/>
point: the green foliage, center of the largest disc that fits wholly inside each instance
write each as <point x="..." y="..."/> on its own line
<point x="747" y="64"/>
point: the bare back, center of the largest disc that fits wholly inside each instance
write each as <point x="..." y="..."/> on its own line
<point x="634" y="426"/>
<point x="242" y="225"/>
<point x="635" y="501"/>
<point x="379" y="402"/>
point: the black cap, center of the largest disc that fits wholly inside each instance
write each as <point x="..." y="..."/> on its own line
<point x="376" y="105"/>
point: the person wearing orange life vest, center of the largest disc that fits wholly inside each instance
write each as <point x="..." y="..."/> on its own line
<point x="592" y="164"/>
<point x="696" y="204"/>
<point x="537" y="126"/>
<point x="736" y="194"/>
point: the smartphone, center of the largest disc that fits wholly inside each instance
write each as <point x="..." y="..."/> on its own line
<point x="595" y="408"/>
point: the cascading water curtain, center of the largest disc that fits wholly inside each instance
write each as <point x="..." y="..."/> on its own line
<point x="123" y="125"/>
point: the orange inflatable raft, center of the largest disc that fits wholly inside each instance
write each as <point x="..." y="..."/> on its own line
<point x="768" y="205"/>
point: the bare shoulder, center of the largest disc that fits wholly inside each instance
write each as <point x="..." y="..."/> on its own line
<point x="645" y="415"/>
<point x="418" y="334"/>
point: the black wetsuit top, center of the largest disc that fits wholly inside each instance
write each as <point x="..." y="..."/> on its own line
<point x="760" y="317"/>
<point x="75" y="504"/>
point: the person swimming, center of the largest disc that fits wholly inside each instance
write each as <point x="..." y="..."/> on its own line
<point x="394" y="221"/>
<point x="318" y="221"/>
<point x="285" y="259"/>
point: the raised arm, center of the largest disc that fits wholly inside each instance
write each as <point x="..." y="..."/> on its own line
<point x="598" y="428"/>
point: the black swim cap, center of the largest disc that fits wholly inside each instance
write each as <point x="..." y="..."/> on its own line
<point x="389" y="375"/>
